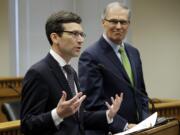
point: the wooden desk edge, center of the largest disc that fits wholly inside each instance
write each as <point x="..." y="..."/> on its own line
<point x="156" y="129"/>
<point x="9" y="125"/>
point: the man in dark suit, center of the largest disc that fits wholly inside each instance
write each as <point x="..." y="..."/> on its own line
<point x="111" y="66"/>
<point x="51" y="101"/>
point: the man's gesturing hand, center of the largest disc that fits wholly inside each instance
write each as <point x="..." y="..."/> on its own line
<point x="66" y="108"/>
<point x="116" y="103"/>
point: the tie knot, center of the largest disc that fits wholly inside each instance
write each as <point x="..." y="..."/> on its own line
<point x="121" y="50"/>
<point x="68" y="69"/>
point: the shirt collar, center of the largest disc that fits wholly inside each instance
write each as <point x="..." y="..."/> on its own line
<point x="113" y="45"/>
<point x="58" y="58"/>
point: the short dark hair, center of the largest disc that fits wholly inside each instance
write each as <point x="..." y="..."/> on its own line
<point x="55" y="22"/>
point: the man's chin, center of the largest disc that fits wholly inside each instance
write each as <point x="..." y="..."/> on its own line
<point x="76" y="54"/>
<point x="117" y="41"/>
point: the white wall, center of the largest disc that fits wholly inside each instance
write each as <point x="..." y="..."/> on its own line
<point x="156" y="32"/>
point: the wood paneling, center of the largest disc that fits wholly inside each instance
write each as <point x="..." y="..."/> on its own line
<point x="10" y="128"/>
<point x="167" y="107"/>
<point x="10" y="89"/>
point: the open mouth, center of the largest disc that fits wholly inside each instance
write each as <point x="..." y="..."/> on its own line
<point x="118" y="33"/>
<point x="78" y="48"/>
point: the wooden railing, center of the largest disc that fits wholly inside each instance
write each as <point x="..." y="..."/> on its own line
<point x="10" y="89"/>
<point x="167" y="107"/>
<point x="10" y="128"/>
<point x="14" y="82"/>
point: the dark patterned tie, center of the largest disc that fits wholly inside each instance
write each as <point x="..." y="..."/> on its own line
<point x="70" y="77"/>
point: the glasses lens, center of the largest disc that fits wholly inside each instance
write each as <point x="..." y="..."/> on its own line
<point x="76" y="33"/>
<point x="115" y="21"/>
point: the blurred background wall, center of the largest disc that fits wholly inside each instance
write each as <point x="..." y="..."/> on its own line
<point x="4" y="39"/>
<point x="154" y="30"/>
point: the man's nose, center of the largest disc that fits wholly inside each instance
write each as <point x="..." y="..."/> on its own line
<point x="80" y="39"/>
<point x="118" y="25"/>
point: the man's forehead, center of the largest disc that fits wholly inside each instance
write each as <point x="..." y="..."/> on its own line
<point x="117" y="14"/>
<point x="72" y="26"/>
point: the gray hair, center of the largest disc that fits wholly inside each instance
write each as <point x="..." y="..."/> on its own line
<point x="115" y="4"/>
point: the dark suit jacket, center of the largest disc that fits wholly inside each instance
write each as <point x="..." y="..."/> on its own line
<point x="99" y="85"/>
<point x="42" y="88"/>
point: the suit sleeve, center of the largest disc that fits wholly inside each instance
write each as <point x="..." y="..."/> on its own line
<point x="91" y="82"/>
<point x="34" y="118"/>
<point x="141" y="86"/>
<point x="97" y="121"/>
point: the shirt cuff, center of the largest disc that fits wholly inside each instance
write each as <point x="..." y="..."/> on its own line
<point x="108" y="119"/>
<point x="57" y="120"/>
<point x="126" y="127"/>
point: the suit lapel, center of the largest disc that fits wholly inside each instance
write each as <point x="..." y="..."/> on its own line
<point x="112" y="58"/>
<point x="58" y="74"/>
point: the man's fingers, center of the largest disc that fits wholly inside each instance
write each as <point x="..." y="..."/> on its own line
<point x="120" y="98"/>
<point x="82" y="98"/>
<point x="63" y="97"/>
<point x="108" y="105"/>
<point x="73" y="103"/>
<point x="75" y="98"/>
<point x="78" y="102"/>
<point x="121" y="95"/>
<point x="112" y="99"/>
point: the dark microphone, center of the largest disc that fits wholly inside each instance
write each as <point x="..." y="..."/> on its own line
<point x="14" y="89"/>
<point x="136" y="90"/>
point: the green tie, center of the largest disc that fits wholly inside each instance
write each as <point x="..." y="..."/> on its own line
<point x="126" y="64"/>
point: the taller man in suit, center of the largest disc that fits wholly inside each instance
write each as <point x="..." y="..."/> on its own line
<point x="51" y="101"/>
<point x="111" y="66"/>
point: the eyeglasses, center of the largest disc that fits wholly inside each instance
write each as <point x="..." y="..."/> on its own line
<point x="76" y="33"/>
<point x="116" y="21"/>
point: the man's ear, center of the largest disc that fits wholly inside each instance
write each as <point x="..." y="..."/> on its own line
<point x="102" y="22"/>
<point x="54" y="37"/>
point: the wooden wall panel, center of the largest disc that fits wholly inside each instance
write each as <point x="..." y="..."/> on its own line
<point x="10" y="89"/>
